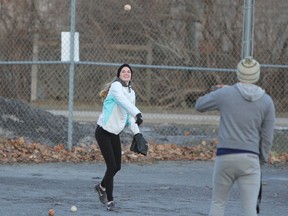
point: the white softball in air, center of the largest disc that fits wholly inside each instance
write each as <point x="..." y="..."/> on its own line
<point x="73" y="209"/>
<point x="127" y="7"/>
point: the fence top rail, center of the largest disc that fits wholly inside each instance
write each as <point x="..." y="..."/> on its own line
<point x="167" y="67"/>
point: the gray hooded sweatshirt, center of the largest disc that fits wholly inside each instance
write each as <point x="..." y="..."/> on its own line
<point x="247" y="117"/>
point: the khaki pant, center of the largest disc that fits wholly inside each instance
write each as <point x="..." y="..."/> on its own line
<point x="243" y="169"/>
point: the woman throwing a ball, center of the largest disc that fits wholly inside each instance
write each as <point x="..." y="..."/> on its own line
<point x="118" y="111"/>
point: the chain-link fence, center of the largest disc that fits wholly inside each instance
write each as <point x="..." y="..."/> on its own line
<point x="177" y="49"/>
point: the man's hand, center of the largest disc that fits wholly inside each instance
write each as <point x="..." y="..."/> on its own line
<point x="216" y="87"/>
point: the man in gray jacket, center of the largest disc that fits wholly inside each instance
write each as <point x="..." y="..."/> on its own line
<point x="247" y="118"/>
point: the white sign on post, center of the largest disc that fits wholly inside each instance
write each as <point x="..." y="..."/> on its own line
<point x="65" y="46"/>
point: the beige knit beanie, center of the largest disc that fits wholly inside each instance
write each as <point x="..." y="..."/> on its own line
<point x="248" y="70"/>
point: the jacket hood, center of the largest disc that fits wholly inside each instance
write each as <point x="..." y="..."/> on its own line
<point x="117" y="79"/>
<point x="250" y="92"/>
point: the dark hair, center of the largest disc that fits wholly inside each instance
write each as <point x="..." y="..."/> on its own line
<point x="122" y="66"/>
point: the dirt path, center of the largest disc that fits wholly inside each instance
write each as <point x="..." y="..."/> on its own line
<point x="88" y="116"/>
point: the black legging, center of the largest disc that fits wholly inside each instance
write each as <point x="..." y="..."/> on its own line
<point x="110" y="147"/>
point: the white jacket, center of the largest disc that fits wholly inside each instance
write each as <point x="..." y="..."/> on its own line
<point x="119" y="109"/>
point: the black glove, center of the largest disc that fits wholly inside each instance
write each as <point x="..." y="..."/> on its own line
<point x="139" y="144"/>
<point x="139" y="119"/>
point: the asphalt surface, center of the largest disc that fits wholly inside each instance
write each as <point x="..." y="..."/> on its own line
<point x="163" y="188"/>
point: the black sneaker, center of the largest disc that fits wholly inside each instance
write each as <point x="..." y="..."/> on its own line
<point x="102" y="194"/>
<point x="111" y="206"/>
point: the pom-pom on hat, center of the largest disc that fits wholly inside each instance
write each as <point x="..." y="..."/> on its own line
<point x="122" y="66"/>
<point x="248" y="70"/>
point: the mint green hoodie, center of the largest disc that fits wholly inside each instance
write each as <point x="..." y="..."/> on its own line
<point x="119" y="109"/>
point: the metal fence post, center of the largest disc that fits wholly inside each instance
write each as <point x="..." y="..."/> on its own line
<point x="248" y="28"/>
<point x="71" y="74"/>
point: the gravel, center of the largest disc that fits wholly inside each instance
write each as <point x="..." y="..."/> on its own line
<point x="18" y="119"/>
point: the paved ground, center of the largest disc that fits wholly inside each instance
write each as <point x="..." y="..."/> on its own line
<point x="164" y="188"/>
